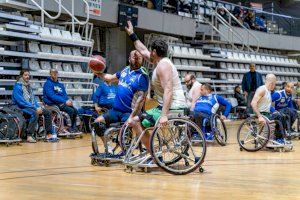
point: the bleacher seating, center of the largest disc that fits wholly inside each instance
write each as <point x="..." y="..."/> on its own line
<point x="231" y="67"/>
<point x="43" y="48"/>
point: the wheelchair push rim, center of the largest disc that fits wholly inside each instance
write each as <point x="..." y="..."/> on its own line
<point x="253" y="135"/>
<point x="219" y="130"/>
<point x="173" y="143"/>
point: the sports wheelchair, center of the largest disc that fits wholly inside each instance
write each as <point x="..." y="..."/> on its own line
<point x="171" y="148"/>
<point x="118" y="136"/>
<point x="253" y="135"/>
<point x="59" y="122"/>
<point x="213" y="127"/>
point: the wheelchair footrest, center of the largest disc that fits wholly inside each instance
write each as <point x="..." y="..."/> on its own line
<point x="11" y="141"/>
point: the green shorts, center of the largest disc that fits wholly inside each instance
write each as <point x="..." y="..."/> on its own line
<point x="150" y="117"/>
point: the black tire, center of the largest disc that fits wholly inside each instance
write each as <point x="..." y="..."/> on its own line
<point x="94" y="142"/>
<point x="256" y="130"/>
<point x="57" y="118"/>
<point x="177" y="134"/>
<point x="219" y="130"/>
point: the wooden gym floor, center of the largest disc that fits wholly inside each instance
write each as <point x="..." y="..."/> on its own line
<point x="63" y="171"/>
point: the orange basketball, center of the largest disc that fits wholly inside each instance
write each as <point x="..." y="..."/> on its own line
<point x="97" y="64"/>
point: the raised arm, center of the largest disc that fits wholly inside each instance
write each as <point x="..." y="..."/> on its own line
<point x="139" y="46"/>
<point x="164" y="72"/>
<point x="254" y="104"/>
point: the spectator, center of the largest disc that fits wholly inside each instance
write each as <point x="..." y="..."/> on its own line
<point x="193" y="88"/>
<point x="222" y="13"/>
<point x="260" y="23"/>
<point x="155" y="4"/>
<point x="55" y="94"/>
<point x="249" y="20"/>
<point x="238" y="10"/>
<point x="251" y="81"/>
<point x="104" y="96"/>
<point x="24" y="98"/>
<point x="240" y="98"/>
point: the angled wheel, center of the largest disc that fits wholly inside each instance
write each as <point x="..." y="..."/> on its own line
<point x="219" y="130"/>
<point x="172" y="149"/>
<point x="252" y="135"/>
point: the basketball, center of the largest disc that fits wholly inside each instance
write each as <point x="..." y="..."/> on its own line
<point x="97" y="64"/>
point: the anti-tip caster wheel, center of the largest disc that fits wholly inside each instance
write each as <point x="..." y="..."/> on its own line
<point x="187" y="163"/>
<point x="93" y="162"/>
<point x="201" y="170"/>
<point x="106" y="163"/>
<point x="241" y="149"/>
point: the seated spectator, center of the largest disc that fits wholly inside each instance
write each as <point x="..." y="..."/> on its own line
<point x="222" y="13"/>
<point x="24" y="98"/>
<point x="240" y="97"/>
<point x="104" y="96"/>
<point x="55" y="95"/>
<point x="249" y="20"/>
<point x="261" y="23"/>
<point x="154" y="4"/>
<point x="238" y="10"/>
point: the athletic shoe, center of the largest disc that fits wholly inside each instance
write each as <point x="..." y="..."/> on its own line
<point x="30" y="139"/>
<point x="209" y="136"/>
<point x="280" y="140"/>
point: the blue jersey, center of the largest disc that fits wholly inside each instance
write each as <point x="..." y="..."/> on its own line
<point x="105" y="95"/>
<point x="210" y="104"/>
<point x="130" y="81"/>
<point x="282" y="100"/>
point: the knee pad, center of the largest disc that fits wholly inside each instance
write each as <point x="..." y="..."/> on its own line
<point x="100" y="128"/>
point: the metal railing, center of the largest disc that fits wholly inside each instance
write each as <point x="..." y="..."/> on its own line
<point x="60" y="8"/>
<point x="249" y="33"/>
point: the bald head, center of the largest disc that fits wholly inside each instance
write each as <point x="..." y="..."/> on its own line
<point x="271" y="81"/>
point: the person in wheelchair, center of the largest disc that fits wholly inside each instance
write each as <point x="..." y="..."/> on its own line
<point x="206" y="106"/>
<point x="285" y="105"/>
<point x="55" y="94"/>
<point x="262" y="105"/>
<point x="133" y="82"/>
<point x="103" y="97"/>
<point x="25" y="99"/>
<point x="166" y="85"/>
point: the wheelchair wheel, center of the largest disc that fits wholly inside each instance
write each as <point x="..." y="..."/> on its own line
<point x="57" y="118"/>
<point x="126" y="137"/>
<point x="94" y="141"/>
<point x="252" y="135"/>
<point x="219" y="130"/>
<point x="172" y="149"/>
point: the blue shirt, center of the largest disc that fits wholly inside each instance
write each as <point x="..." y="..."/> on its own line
<point x="130" y="81"/>
<point x="54" y="93"/>
<point x="282" y="100"/>
<point x="19" y="100"/>
<point x="210" y="104"/>
<point x="104" y="95"/>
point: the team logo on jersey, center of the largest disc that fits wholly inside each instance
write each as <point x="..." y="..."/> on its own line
<point x="57" y="89"/>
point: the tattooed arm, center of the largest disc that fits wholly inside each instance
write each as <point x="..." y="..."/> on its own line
<point x="138" y="102"/>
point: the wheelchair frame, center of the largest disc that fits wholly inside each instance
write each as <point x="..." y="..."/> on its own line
<point x="260" y="141"/>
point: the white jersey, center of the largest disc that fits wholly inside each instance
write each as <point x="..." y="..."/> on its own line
<point x="178" y="98"/>
<point x="264" y="104"/>
<point x="189" y="95"/>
